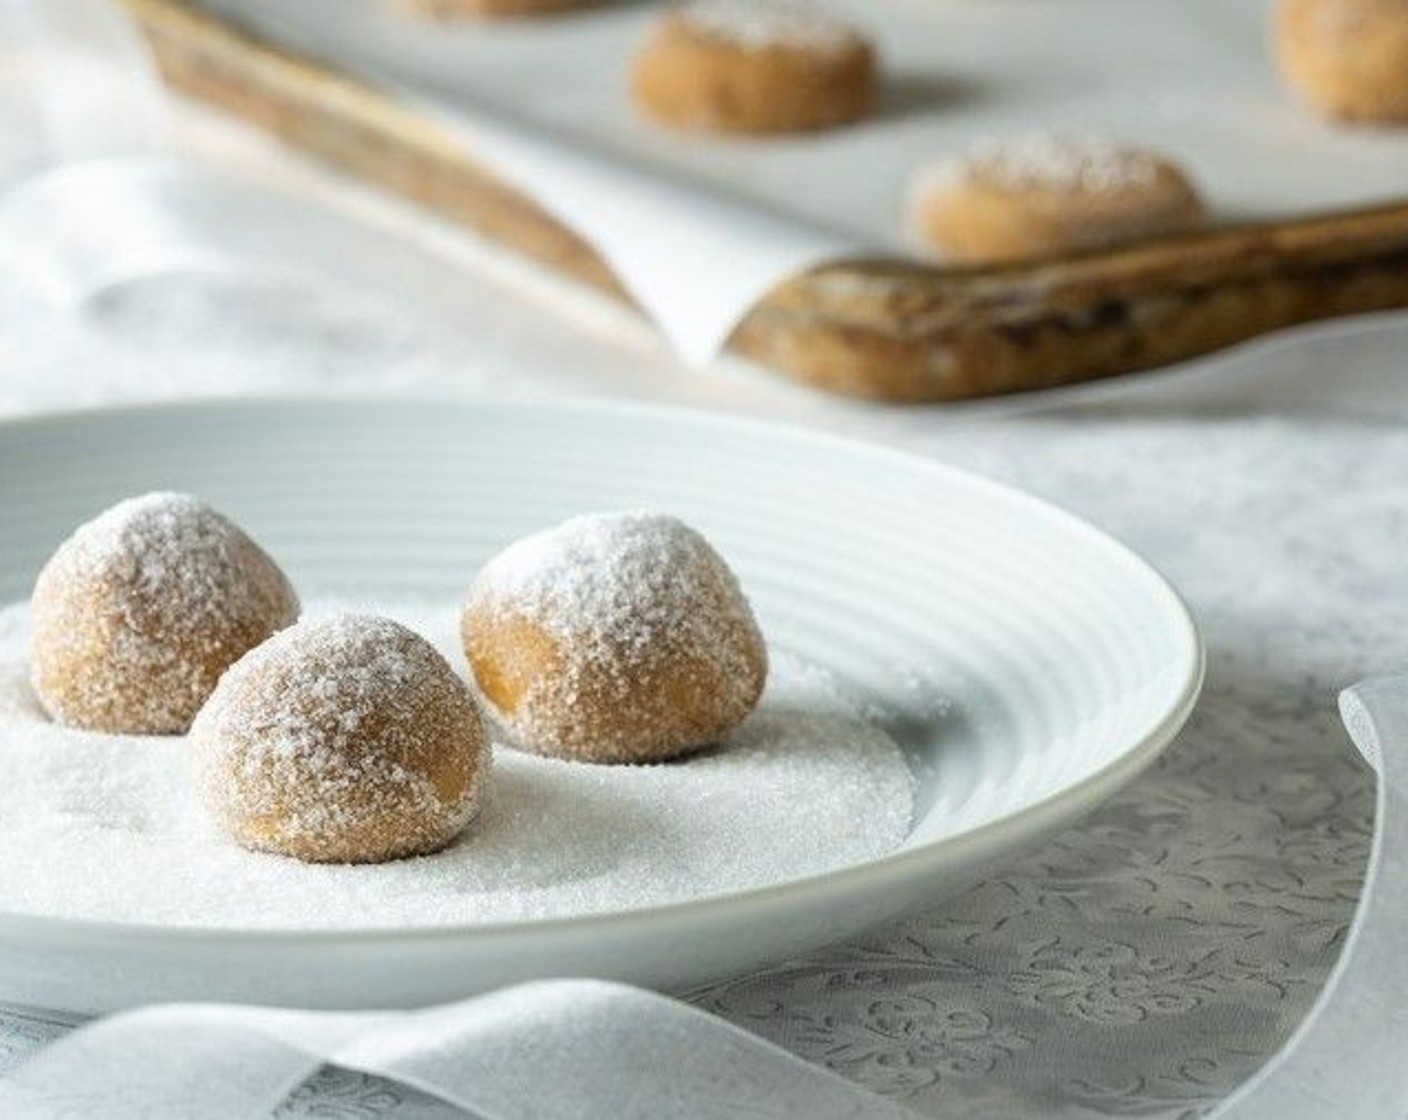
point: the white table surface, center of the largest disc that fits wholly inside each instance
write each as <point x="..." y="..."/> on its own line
<point x="1142" y="964"/>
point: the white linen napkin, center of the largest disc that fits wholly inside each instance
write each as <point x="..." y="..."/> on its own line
<point x="75" y="83"/>
<point x="694" y="259"/>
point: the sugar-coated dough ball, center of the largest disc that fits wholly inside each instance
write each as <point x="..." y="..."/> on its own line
<point x="139" y="612"/>
<point x="1347" y="57"/>
<point x="488" y="9"/>
<point x="343" y="740"/>
<point x="614" y="638"/>
<point x="754" y="66"/>
<point x="1042" y="196"/>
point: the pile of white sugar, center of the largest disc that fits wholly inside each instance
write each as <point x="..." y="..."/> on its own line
<point x="104" y="827"/>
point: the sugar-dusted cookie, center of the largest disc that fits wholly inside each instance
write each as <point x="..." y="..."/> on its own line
<point x="138" y="613"/>
<point x="754" y="66"/>
<point x="342" y="740"/>
<point x="1349" y="58"/>
<point x="1043" y="196"/>
<point x="614" y="638"/>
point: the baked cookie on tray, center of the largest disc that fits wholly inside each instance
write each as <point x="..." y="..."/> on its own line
<point x="1045" y="195"/>
<point x="755" y="66"/>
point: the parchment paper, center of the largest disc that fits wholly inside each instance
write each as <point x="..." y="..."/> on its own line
<point x="1192" y="77"/>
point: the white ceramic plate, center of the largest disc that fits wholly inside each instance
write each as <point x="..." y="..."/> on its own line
<point x="1068" y="662"/>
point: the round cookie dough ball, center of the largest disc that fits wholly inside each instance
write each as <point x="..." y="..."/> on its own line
<point x="614" y="638"/>
<point x="754" y="66"/>
<point x="138" y="613"/>
<point x="342" y="740"/>
<point x="1044" y="196"/>
<point x="1349" y="58"/>
<point x="490" y="9"/>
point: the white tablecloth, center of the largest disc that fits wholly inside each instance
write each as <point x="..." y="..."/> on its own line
<point x="1143" y="963"/>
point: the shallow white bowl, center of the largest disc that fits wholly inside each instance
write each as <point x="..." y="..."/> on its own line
<point x="1065" y="661"/>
